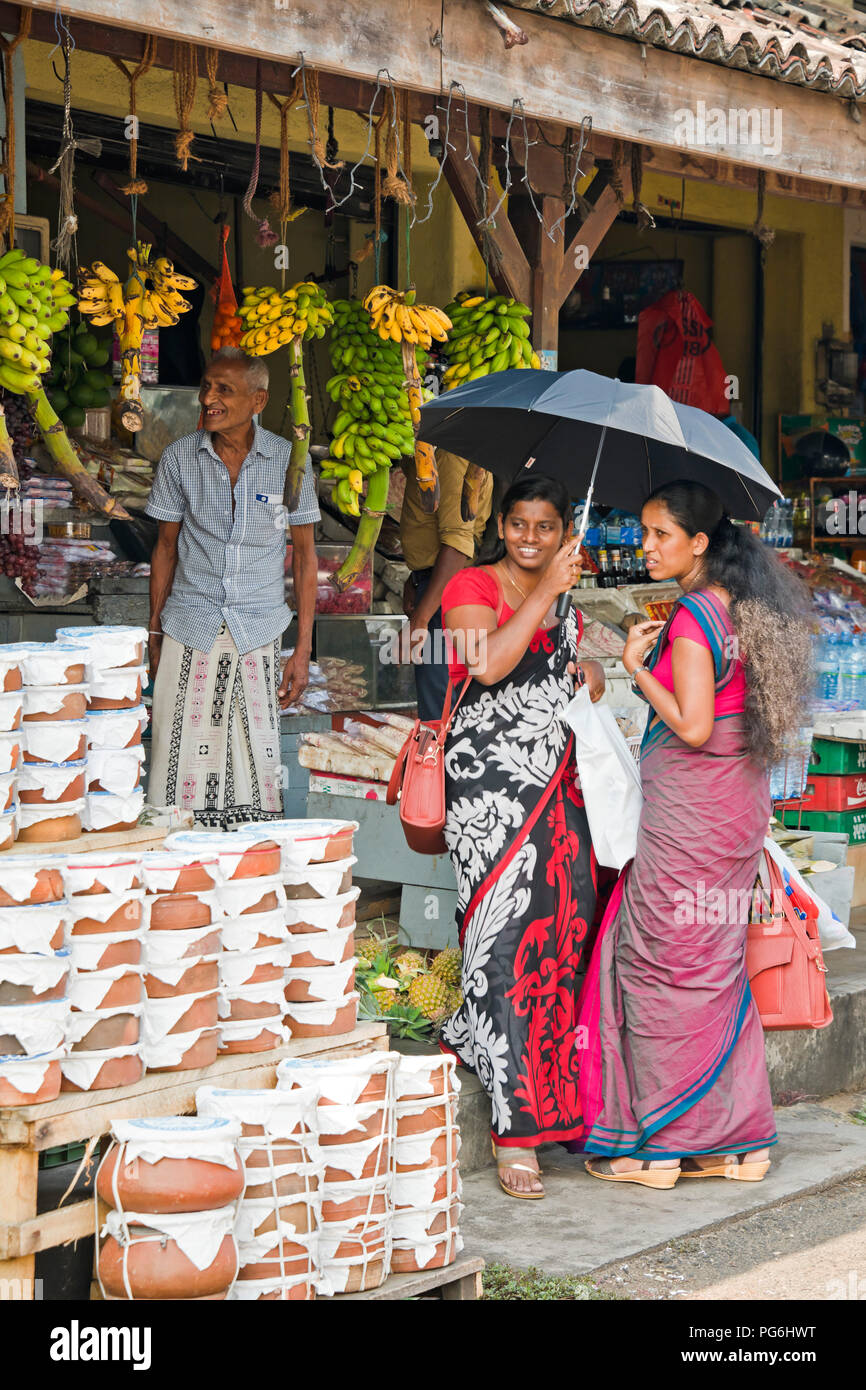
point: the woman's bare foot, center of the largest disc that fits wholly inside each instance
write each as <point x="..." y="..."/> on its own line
<point x="512" y="1166"/>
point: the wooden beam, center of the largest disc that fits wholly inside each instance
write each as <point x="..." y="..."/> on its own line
<point x="633" y="91"/>
<point x="509" y="268"/>
<point x="587" y="241"/>
<point x="43" y="1232"/>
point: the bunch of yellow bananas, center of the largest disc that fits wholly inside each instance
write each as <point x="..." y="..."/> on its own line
<point x="151" y="293"/>
<point x="33" y="304"/>
<point x="273" y="318"/>
<point x="398" y="319"/>
<point x="488" y="335"/>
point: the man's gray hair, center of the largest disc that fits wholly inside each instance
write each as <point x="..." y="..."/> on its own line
<point x="258" y="375"/>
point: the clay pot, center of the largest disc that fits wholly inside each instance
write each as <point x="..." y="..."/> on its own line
<point x="260" y="967"/>
<point x="10" y="751"/>
<point x="108" y="1031"/>
<point x="110" y="690"/>
<point x="109" y="646"/>
<point x="355" y="1208"/>
<point x="249" y="897"/>
<point x="292" y="1264"/>
<point x="115" y="1071"/>
<point x="177" y="912"/>
<point x="190" y="875"/>
<point x="345" y="919"/>
<point x="301" y="1215"/>
<point x="439" y="1155"/>
<point x="437" y="1080"/>
<point x="301" y="1022"/>
<point x="170" y="1184"/>
<point x="201" y="1013"/>
<point x="375" y="1166"/>
<point x="49" y="1090"/>
<point x="47" y="888"/>
<point x="8" y="786"/>
<point x="35" y="939"/>
<point x="416" y="1121"/>
<point x="126" y="918"/>
<point x="276" y="1291"/>
<point x="260" y="861"/>
<point x="108" y="813"/>
<point x="269" y="1038"/>
<point x="97" y="786"/>
<point x="154" y="1270"/>
<point x="120" y="950"/>
<point x="120" y="874"/>
<point x="200" y="1053"/>
<point x="321" y="988"/>
<point x="34" y="790"/>
<point x="289" y="1185"/>
<point x="107" y="735"/>
<point x="241" y="1007"/>
<point x="280" y="1153"/>
<point x="237" y="932"/>
<point x="348" y="1243"/>
<point x="376" y="1088"/>
<point x="45" y="704"/>
<point x="373" y="1126"/>
<point x="404" y="1261"/>
<point x="199" y="977"/>
<point x="441" y="1222"/>
<point x="39" y="743"/>
<point x="11" y="677"/>
<point x="11" y="708"/>
<point x="120" y="990"/>
<point x="36" y="826"/>
<point x="12" y="992"/>
<point x="72" y="674"/>
<point x="313" y="954"/>
<point x="445" y="1186"/>
<point x="357" y="1278"/>
<point x="309" y="890"/>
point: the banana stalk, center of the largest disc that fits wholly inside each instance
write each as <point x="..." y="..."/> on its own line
<point x="425" y="455"/>
<point x="8" y="467"/>
<point x="131" y="410"/>
<point x="300" y="416"/>
<point x="471" y="494"/>
<point x="368" y="531"/>
<point x="57" y="443"/>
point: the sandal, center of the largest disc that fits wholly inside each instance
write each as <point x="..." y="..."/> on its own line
<point x="735" y="1168"/>
<point x="646" y="1175"/>
<point x="524" y="1168"/>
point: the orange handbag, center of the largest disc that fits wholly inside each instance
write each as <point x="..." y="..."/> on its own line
<point x="419" y="780"/>
<point x="785" y="962"/>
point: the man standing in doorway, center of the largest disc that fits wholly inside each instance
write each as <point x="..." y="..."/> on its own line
<point x="217" y="604"/>
<point x="435" y="546"/>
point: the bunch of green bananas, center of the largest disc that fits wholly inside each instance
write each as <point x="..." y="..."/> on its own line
<point x="34" y="300"/>
<point x="488" y="335"/>
<point x="373" y="427"/>
<point x="273" y="318"/>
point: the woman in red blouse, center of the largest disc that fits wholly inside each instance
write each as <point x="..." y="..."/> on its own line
<point x="516" y="828"/>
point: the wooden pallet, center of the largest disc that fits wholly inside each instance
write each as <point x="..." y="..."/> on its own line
<point x="140" y="838"/>
<point x="73" y="1117"/>
<point x="461" y="1280"/>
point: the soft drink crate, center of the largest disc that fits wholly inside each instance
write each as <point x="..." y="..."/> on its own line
<point x="850" y="823"/>
<point x="834" y="793"/>
<point x="836" y="757"/>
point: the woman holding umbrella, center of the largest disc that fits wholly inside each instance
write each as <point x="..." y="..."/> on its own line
<point x="674" y="1081"/>
<point x="516" y="828"/>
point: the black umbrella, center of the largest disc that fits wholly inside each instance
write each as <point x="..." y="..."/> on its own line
<point x="610" y="439"/>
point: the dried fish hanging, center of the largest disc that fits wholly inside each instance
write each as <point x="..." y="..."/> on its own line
<point x="148" y="58"/>
<point x="185" y="77"/>
<point x="7" y="168"/>
<point x="217" y="98"/>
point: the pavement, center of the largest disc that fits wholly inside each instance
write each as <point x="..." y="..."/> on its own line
<point x="584" y="1226"/>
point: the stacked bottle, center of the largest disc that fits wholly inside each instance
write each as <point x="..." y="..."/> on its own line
<point x="105" y="926"/>
<point x="427" y="1187"/>
<point x="277" y="1225"/>
<point x="355" y="1123"/>
<point x="254" y="957"/>
<point x="171" y="1185"/>
<point x="51" y="784"/>
<point x="116" y="719"/>
<point x="34" y="971"/>
<point x="11" y="709"/>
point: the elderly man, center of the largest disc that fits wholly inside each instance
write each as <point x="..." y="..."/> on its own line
<point x="217" y="604"/>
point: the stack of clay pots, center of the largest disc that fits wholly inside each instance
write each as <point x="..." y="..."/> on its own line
<point x="116" y="718"/>
<point x="51" y="783"/>
<point x="253" y="961"/>
<point x="172" y="1186"/>
<point x="11" y="737"/>
<point x="182" y="950"/>
<point x="34" y="972"/>
<point x="277" y="1226"/>
<point x="355" y="1123"/>
<point x="426" y="1187"/>
<point x="317" y="875"/>
<point x="105" y="928"/>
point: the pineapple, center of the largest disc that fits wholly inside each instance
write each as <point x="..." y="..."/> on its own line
<point x="367" y="950"/>
<point x="409" y="964"/>
<point x="429" y="994"/>
<point x="447" y="965"/>
<point x="455" y="998"/>
<point x="385" y="1000"/>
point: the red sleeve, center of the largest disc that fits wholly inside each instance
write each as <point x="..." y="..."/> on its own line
<point x="686" y="625"/>
<point x="470" y="586"/>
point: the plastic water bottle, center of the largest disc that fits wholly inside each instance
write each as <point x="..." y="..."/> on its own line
<point x="859" y="695"/>
<point x="849" y="672"/>
<point x="770" y="525"/>
<point x="787" y="523"/>
<point x="826" y="674"/>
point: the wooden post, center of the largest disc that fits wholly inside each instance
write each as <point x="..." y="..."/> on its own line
<point x="18" y="1177"/>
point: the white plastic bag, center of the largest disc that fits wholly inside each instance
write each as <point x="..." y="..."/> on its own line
<point x="831" y="930"/>
<point x="609" y="780"/>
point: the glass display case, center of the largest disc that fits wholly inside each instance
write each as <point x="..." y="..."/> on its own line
<point x="376" y="644"/>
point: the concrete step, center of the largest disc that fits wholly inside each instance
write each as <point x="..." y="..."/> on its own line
<point x="584" y="1225"/>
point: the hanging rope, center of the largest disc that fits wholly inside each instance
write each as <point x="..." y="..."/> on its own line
<point x="7" y="168"/>
<point x="282" y="200"/>
<point x="217" y="98"/>
<point x="64" y="244"/>
<point x="645" y="219"/>
<point x="765" y="235"/>
<point x="377" y="196"/>
<point x="265" y="234"/>
<point x="617" y="162"/>
<point x="185" y="77"/>
<point x="148" y="58"/>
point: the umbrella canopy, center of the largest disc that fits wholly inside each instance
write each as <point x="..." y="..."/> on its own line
<point x="555" y="422"/>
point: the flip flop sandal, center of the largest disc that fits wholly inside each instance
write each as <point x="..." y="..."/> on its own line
<point x="736" y="1169"/>
<point x="645" y="1176"/>
<point x="524" y="1168"/>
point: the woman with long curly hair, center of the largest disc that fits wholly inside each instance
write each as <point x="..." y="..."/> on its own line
<point x="673" y="1080"/>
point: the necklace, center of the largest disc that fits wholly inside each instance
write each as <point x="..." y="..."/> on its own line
<point x="512" y="580"/>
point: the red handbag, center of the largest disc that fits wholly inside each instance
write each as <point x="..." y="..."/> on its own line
<point x="785" y="962"/>
<point x="418" y="780"/>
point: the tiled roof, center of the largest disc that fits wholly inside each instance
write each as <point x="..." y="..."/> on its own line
<point x="816" y="45"/>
